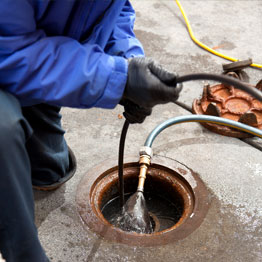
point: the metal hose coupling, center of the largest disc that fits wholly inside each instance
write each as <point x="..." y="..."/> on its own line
<point x="146" y="154"/>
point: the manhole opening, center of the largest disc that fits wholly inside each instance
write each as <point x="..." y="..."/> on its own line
<point x="181" y="194"/>
<point x="169" y="197"/>
<point x="164" y="201"/>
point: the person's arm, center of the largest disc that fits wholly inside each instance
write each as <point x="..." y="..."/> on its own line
<point x="56" y="70"/>
<point x="123" y="41"/>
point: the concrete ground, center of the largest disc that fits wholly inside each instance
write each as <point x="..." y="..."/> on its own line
<point x="231" y="168"/>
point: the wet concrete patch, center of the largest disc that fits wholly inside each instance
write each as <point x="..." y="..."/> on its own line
<point x="222" y="237"/>
<point x="225" y="45"/>
<point x="156" y="5"/>
<point x="206" y="40"/>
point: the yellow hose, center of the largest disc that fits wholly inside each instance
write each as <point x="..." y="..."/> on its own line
<point x="203" y="45"/>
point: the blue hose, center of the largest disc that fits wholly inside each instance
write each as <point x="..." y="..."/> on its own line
<point x="200" y="118"/>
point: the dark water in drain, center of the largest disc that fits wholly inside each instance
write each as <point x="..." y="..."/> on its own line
<point x="168" y="213"/>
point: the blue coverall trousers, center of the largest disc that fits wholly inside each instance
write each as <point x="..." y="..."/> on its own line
<point x="32" y="150"/>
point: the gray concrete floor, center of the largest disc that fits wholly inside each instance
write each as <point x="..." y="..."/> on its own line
<point x="230" y="168"/>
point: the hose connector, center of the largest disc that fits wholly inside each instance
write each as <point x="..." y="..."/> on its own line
<point x="145" y="160"/>
<point x="146" y="150"/>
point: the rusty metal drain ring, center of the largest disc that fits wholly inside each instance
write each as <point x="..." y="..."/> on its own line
<point x="89" y="199"/>
<point x="155" y="220"/>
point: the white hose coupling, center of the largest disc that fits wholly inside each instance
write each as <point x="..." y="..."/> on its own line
<point x="146" y="151"/>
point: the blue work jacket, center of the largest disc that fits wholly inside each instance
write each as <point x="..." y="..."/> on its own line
<point x="66" y="52"/>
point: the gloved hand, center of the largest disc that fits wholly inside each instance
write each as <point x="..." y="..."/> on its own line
<point x="148" y="84"/>
<point x="134" y="113"/>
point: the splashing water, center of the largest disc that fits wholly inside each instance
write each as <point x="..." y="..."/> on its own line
<point x="167" y="212"/>
<point x="134" y="216"/>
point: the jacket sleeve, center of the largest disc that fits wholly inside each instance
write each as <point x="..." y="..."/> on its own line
<point x="55" y="70"/>
<point x="123" y="41"/>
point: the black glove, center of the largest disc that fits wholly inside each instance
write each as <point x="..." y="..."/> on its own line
<point x="134" y="113"/>
<point x="148" y="84"/>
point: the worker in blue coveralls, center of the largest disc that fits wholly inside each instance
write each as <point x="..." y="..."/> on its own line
<point x="53" y="53"/>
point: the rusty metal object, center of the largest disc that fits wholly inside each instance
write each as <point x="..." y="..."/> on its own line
<point x="259" y="85"/>
<point x="231" y="103"/>
<point x="156" y="222"/>
<point x="99" y="185"/>
<point x="239" y="65"/>
<point x="235" y="69"/>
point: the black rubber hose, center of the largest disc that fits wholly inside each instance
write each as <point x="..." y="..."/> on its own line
<point x="121" y="163"/>
<point x="225" y="80"/>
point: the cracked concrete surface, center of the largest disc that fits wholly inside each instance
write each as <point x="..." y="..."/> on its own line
<point x="230" y="168"/>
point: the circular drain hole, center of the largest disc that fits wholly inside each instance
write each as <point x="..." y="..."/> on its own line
<point x="176" y="199"/>
<point x="165" y="201"/>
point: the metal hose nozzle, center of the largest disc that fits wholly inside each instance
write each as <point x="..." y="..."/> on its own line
<point x="144" y="162"/>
